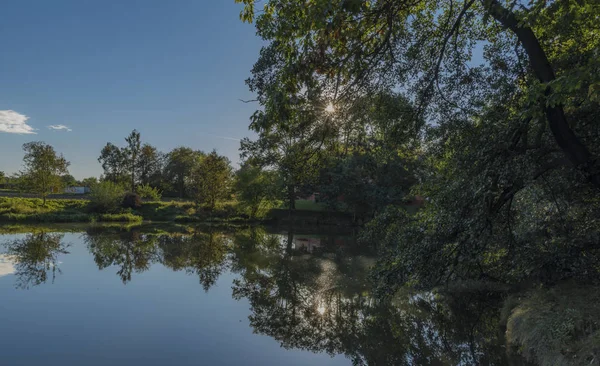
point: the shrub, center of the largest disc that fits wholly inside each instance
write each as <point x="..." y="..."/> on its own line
<point x="146" y="191"/>
<point x="132" y="200"/>
<point x="125" y="217"/>
<point x="106" y="196"/>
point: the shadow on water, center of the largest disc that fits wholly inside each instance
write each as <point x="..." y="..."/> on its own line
<point x="309" y="292"/>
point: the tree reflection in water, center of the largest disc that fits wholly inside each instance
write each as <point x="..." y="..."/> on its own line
<point x="203" y="254"/>
<point x="130" y="251"/>
<point x="35" y="257"/>
<point x="198" y="252"/>
<point x="323" y="303"/>
<point x="320" y="301"/>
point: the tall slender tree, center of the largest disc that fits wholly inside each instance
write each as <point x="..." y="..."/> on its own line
<point x="132" y="155"/>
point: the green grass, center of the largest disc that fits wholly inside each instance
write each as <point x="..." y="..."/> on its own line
<point x="32" y="210"/>
<point x="19" y="209"/>
<point x="123" y="217"/>
<point x="55" y="211"/>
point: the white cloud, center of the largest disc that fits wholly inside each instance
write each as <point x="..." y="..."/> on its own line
<point x="6" y="265"/>
<point x="14" y="122"/>
<point x="59" y="127"/>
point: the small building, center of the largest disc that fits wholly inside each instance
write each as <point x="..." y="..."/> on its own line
<point x="77" y="190"/>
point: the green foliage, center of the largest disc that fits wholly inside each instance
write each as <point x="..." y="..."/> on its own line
<point x="122" y="217"/>
<point x="43" y="168"/>
<point x="68" y="181"/>
<point x="149" y="166"/>
<point x="90" y="182"/>
<point x="131" y="155"/>
<point x="113" y="162"/>
<point x="505" y="143"/>
<point x="106" y="197"/>
<point x="211" y="179"/>
<point x="133" y="164"/>
<point x="559" y="326"/>
<point x="496" y="126"/>
<point x="180" y="163"/>
<point x="257" y="190"/>
<point x="149" y="192"/>
<point x="32" y="210"/>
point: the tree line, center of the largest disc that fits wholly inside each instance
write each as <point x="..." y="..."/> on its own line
<point x="141" y="169"/>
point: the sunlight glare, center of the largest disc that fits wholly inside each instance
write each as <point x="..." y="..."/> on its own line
<point x="330" y="108"/>
<point x="321" y="309"/>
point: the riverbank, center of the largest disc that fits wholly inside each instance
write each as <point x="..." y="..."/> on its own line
<point x="32" y="210"/>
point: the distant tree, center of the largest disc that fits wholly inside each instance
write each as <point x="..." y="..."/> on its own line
<point x="179" y="165"/>
<point x="89" y="182"/>
<point x="43" y="168"/>
<point x="2" y="177"/>
<point x="211" y="179"/>
<point x="149" y="165"/>
<point x="132" y="154"/>
<point x="129" y="163"/>
<point x="257" y="189"/>
<point x="68" y="180"/>
<point x="113" y="163"/>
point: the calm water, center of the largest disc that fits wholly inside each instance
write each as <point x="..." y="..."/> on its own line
<point x="185" y="296"/>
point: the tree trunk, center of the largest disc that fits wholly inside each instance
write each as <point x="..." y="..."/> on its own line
<point x="181" y="186"/>
<point x="291" y="197"/>
<point x="573" y="148"/>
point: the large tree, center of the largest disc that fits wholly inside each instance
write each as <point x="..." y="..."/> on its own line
<point x="427" y="47"/>
<point x="508" y="93"/>
<point x="43" y="168"/>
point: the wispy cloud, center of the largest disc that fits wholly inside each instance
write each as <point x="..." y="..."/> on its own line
<point x="14" y="122"/>
<point x="59" y="128"/>
<point x="223" y="137"/>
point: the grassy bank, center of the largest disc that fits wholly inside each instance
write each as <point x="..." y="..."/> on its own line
<point x="56" y="211"/>
<point x="32" y="210"/>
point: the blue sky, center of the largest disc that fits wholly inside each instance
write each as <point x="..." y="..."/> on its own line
<point x="174" y="70"/>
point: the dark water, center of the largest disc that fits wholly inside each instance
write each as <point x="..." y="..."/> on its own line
<point x="189" y="296"/>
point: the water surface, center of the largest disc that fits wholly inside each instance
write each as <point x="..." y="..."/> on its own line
<point x="189" y="296"/>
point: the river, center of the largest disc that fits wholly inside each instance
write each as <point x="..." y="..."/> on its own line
<point x="151" y="295"/>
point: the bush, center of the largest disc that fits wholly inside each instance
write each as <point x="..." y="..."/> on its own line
<point x="125" y="217"/>
<point x="132" y="200"/>
<point x="146" y="191"/>
<point x="106" y="197"/>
